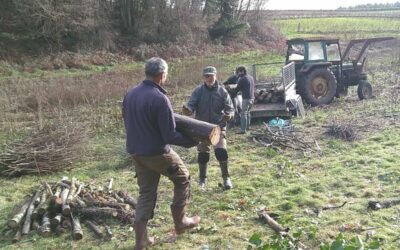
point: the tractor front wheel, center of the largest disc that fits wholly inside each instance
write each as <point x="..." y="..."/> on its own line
<point x="364" y="90"/>
<point x="319" y="87"/>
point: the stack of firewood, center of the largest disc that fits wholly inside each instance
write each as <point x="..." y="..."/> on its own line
<point x="269" y="95"/>
<point x="60" y="206"/>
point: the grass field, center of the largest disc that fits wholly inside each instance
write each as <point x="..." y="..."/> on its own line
<point x="294" y="185"/>
<point x="345" y="28"/>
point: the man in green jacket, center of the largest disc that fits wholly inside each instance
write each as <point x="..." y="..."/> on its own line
<point x="211" y="103"/>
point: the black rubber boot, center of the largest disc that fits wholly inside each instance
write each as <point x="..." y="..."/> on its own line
<point x="225" y="174"/>
<point x="202" y="175"/>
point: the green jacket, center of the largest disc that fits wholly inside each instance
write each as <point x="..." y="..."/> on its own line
<point x="210" y="104"/>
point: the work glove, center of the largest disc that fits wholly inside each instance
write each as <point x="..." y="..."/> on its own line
<point x="227" y="117"/>
<point x="186" y="111"/>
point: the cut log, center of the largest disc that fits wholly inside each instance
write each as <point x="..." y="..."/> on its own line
<point x="54" y="222"/>
<point x="198" y="130"/>
<point x="35" y="225"/>
<point x="66" y="209"/>
<point x="17" y="237"/>
<point x="28" y="218"/>
<point x="59" y="230"/>
<point x="93" y="212"/>
<point x="72" y="191"/>
<point x="77" y="233"/>
<point x="126" y="217"/>
<point x="95" y="228"/>
<point x="56" y="196"/>
<point x="66" y="223"/>
<point x="127" y="198"/>
<point x="17" y="218"/>
<point x="109" y="233"/>
<point x="42" y="207"/>
<point x="45" y="228"/>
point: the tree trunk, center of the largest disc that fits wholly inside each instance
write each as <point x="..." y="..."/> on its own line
<point x="198" y="130"/>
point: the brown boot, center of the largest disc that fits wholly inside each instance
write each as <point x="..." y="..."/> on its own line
<point x="183" y="223"/>
<point x="142" y="239"/>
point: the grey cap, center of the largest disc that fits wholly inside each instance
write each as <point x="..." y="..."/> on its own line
<point x="209" y="70"/>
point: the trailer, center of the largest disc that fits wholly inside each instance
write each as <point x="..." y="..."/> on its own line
<point x="276" y="97"/>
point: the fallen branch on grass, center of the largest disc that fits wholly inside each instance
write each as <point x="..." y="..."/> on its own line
<point x="334" y="207"/>
<point x="284" y="232"/>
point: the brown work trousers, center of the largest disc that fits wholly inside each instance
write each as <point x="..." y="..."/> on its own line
<point x="148" y="171"/>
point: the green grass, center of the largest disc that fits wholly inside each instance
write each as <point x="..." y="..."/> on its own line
<point x="342" y="27"/>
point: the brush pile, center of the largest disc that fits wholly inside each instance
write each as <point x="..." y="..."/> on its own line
<point x="342" y="131"/>
<point x="283" y="138"/>
<point x="55" y="208"/>
<point x="49" y="150"/>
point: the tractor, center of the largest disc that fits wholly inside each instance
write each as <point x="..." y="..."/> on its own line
<point x="324" y="72"/>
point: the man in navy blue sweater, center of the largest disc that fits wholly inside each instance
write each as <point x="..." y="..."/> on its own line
<point x="245" y="84"/>
<point x="150" y="128"/>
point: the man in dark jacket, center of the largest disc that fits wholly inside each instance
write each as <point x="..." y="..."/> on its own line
<point x="150" y="128"/>
<point x="245" y="85"/>
<point x="212" y="104"/>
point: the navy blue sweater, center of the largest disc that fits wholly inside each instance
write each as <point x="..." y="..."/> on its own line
<point x="245" y="84"/>
<point x="149" y="121"/>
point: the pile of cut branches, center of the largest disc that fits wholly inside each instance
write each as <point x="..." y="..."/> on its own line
<point x="56" y="207"/>
<point x="51" y="149"/>
<point x="342" y="131"/>
<point x="283" y="138"/>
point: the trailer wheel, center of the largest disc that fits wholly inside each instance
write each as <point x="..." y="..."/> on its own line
<point x="319" y="87"/>
<point x="364" y="90"/>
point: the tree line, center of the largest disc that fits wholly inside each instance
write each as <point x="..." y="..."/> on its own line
<point x="63" y="24"/>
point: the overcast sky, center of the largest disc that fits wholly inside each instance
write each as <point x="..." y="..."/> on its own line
<point x="318" y="4"/>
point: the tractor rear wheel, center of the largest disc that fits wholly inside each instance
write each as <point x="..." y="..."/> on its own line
<point x="364" y="90"/>
<point x="319" y="87"/>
